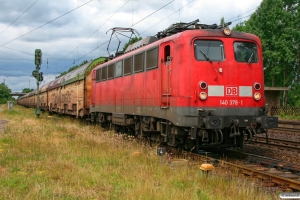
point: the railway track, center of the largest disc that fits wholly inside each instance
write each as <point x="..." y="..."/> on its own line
<point x="278" y="143"/>
<point x="287" y="126"/>
<point x="270" y="172"/>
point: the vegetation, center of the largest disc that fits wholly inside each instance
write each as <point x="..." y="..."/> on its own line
<point x="131" y="41"/>
<point x="222" y="21"/>
<point x="63" y="158"/>
<point x="27" y="90"/>
<point x="4" y="94"/>
<point x="277" y="23"/>
<point x="289" y="117"/>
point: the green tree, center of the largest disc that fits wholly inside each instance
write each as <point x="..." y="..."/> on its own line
<point x="4" y="94"/>
<point x="131" y="41"/>
<point x="222" y="21"/>
<point x="27" y="90"/>
<point x="276" y="22"/>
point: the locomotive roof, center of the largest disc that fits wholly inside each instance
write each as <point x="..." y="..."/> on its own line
<point x="175" y="30"/>
<point x="190" y="33"/>
<point x="141" y="43"/>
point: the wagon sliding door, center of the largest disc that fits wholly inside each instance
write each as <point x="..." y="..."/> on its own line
<point x="93" y="93"/>
<point x="166" y="66"/>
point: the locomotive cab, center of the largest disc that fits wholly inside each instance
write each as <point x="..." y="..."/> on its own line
<point x="223" y="75"/>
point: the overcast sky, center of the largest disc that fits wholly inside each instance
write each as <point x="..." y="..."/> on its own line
<point x="71" y="31"/>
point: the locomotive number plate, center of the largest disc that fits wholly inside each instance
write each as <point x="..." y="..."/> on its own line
<point x="231" y="102"/>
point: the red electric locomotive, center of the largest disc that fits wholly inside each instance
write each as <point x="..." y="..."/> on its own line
<point x="194" y="86"/>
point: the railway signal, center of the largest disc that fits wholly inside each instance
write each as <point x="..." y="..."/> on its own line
<point x="38" y="76"/>
<point x="35" y="73"/>
<point x="38" y="57"/>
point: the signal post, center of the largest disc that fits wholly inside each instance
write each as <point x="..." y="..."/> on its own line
<point x="38" y="76"/>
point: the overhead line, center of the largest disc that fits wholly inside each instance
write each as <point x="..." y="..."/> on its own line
<point x="45" y="23"/>
<point x="243" y="13"/>
<point x="94" y="31"/>
<point x="168" y="16"/>
<point x="131" y="26"/>
<point x="18" y="50"/>
<point x="243" y="17"/>
<point x="19" y="16"/>
<point x="152" y="13"/>
<point x="86" y="54"/>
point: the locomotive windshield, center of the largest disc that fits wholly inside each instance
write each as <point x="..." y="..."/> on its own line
<point x="209" y="50"/>
<point x="245" y="52"/>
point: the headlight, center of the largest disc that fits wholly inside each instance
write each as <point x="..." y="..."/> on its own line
<point x="203" y="85"/>
<point x="257" y="96"/>
<point x="203" y="95"/>
<point x="256" y="86"/>
<point x="226" y="31"/>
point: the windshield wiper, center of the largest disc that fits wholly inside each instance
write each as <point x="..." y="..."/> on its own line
<point x="249" y="61"/>
<point x="206" y="57"/>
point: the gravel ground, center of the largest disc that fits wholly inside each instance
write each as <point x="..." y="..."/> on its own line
<point x="284" y="135"/>
<point x="287" y="156"/>
<point x="284" y="155"/>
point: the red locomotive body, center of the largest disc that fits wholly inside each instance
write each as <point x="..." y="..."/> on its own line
<point x="201" y="87"/>
<point x="195" y="86"/>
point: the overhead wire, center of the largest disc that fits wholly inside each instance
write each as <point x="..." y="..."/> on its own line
<point x="18" y="17"/>
<point x="94" y="32"/>
<point x="243" y="13"/>
<point x="168" y="16"/>
<point x="242" y="17"/>
<point x="45" y="24"/>
<point x="18" y="50"/>
<point x="152" y="13"/>
<point x="131" y="26"/>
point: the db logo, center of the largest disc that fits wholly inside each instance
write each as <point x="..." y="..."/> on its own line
<point x="231" y="91"/>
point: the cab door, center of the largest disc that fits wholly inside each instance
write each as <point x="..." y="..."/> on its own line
<point x="166" y="73"/>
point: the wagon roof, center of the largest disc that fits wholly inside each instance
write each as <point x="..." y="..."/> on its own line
<point x="32" y="93"/>
<point x="24" y="96"/>
<point x="75" y="75"/>
<point x="55" y="83"/>
<point x="45" y="87"/>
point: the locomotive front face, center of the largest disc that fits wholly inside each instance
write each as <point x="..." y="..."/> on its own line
<point x="226" y="85"/>
<point x="228" y="78"/>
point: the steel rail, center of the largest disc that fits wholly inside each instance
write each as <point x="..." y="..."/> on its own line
<point x="288" y="126"/>
<point x="254" y="171"/>
<point x="290" y="183"/>
<point x="281" y="144"/>
<point x="268" y="176"/>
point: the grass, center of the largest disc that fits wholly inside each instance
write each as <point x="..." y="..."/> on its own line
<point x="64" y="158"/>
<point x="289" y="117"/>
